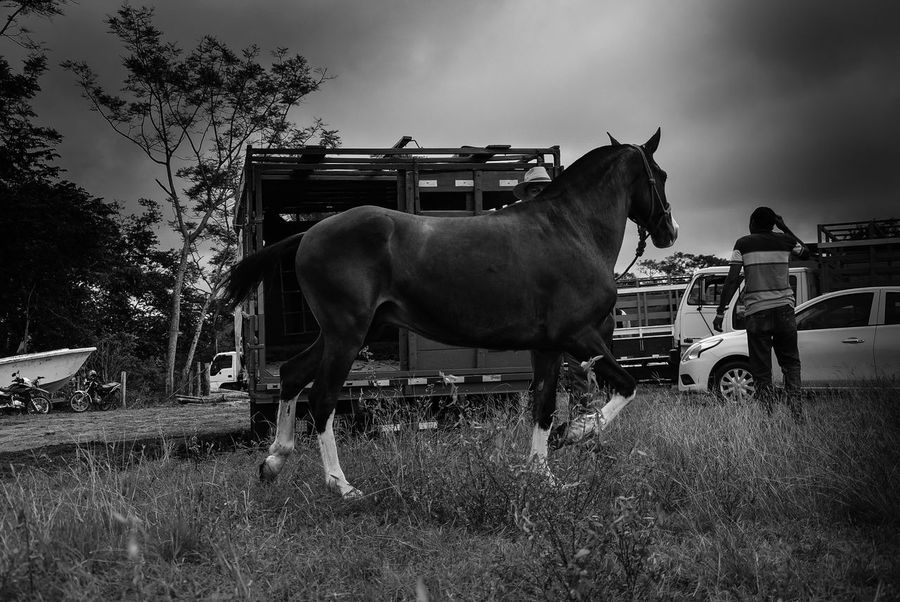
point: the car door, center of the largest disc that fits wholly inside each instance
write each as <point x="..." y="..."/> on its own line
<point x="700" y="303"/>
<point x="836" y="339"/>
<point x="887" y="338"/>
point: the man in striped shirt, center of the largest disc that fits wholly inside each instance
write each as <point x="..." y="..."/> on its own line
<point x="769" y="304"/>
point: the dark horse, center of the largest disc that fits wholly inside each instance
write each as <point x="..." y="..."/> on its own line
<point x="536" y="275"/>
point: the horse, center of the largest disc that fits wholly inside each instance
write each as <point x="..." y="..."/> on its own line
<point x="535" y="276"/>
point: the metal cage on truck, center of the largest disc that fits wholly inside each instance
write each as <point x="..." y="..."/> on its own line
<point x="645" y="316"/>
<point x="288" y="190"/>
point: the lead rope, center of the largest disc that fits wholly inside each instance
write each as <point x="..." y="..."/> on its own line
<point x="642" y="244"/>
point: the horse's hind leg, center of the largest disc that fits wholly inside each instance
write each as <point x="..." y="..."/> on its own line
<point x="296" y="373"/>
<point x="543" y="390"/>
<point x="336" y="363"/>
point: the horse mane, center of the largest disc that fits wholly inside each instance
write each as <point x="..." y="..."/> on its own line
<point x="591" y="165"/>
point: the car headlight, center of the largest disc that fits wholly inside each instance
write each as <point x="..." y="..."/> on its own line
<point x="696" y="349"/>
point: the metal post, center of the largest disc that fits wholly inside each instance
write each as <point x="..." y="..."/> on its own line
<point x="124" y="382"/>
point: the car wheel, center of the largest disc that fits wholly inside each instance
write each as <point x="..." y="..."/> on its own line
<point x="733" y="381"/>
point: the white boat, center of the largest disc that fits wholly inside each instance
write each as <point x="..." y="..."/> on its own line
<point x="54" y="368"/>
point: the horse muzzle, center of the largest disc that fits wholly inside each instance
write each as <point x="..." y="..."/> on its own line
<point x="666" y="236"/>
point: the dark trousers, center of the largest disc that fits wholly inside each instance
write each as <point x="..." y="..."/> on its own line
<point x="768" y="330"/>
<point x="576" y="381"/>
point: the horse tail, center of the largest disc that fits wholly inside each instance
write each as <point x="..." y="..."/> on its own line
<point x="245" y="274"/>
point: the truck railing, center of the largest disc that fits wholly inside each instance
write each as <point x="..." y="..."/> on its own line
<point x="869" y="231"/>
<point x="652" y="281"/>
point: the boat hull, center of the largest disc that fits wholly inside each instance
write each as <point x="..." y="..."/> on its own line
<point x="54" y="368"/>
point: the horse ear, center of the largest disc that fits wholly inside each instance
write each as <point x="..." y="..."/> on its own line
<point x="613" y="140"/>
<point x="651" y="145"/>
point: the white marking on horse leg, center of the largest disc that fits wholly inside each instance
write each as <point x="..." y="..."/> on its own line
<point x="538" y="455"/>
<point x="283" y="445"/>
<point x="334" y="476"/>
<point x="615" y="405"/>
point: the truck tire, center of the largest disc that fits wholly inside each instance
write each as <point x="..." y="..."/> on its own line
<point x="733" y="382"/>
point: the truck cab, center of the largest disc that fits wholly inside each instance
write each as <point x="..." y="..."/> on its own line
<point x="694" y="319"/>
<point x="225" y="371"/>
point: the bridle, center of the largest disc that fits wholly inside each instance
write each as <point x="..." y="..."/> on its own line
<point x="656" y="200"/>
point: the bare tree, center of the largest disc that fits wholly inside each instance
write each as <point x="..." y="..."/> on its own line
<point x="193" y="114"/>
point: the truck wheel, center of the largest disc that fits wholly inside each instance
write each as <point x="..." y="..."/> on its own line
<point x="733" y="381"/>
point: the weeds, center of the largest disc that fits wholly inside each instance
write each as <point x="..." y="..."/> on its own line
<point x="678" y="499"/>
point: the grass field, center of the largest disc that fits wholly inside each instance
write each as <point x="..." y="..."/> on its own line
<point x="681" y="499"/>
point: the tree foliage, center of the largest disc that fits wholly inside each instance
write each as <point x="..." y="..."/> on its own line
<point x="74" y="272"/>
<point x="680" y="264"/>
<point x="26" y="149"/>
<point x="192" y="114"/>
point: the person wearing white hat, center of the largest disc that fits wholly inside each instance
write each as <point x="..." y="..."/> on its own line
<point x="535" y="180"/>
<point x="575" y="376"/>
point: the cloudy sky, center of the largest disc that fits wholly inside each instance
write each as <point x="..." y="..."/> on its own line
<point x="795" y="105"/>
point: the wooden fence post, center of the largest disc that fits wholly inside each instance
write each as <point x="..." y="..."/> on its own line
<point x="204" y="379"/>
<point x="124" y="383"/>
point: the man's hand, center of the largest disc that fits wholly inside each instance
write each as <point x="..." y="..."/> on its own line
<point x="779" y="221"/>
<point x="717" y="322"/>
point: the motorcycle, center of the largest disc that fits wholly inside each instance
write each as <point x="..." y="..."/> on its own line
<point x="95" y="393"/>
<point x="25" y="395"/>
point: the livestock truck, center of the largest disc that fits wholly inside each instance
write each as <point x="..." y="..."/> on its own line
<point x="288" y="190"/>
<point x="846" y="255"/>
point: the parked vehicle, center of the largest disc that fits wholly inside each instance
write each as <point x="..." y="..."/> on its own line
<point x="25" y="395"/>
<point x="96" y="393"/>
<point x="289" y="190"/>
<point x="847" y="255"/>
<point x="55" y="368"/>
<point x="226" y="372"/>
<point x="848" y="338"/>
<point x="645" y="315"/>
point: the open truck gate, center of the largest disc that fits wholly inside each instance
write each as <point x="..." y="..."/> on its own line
<point x="288" y="190"/>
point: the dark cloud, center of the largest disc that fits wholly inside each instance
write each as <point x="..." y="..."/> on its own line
<point x="788" y="103"/>
<point x="816" y="93"/>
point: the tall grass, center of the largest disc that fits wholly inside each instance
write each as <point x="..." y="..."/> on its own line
<point x="679" y="499"/>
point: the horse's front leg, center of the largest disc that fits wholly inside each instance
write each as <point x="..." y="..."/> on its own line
<point x="543" y="405"/>
<point x="283" y="445"/>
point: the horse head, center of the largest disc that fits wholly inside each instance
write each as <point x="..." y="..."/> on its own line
<point x="649" y="207"/>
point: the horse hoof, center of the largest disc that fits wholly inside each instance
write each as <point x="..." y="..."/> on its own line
<point x="352" y="494"/>
<point x="266" y="473"/>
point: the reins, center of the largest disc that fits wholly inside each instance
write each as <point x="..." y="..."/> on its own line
<point x="642" y="244"/>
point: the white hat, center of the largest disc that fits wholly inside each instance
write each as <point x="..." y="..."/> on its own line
<point x="535" y="174"/>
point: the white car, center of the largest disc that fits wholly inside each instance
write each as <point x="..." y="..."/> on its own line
<point x="846" y="339"/>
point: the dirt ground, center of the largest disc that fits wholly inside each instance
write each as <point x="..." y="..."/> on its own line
<point x="61" y="431"/>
